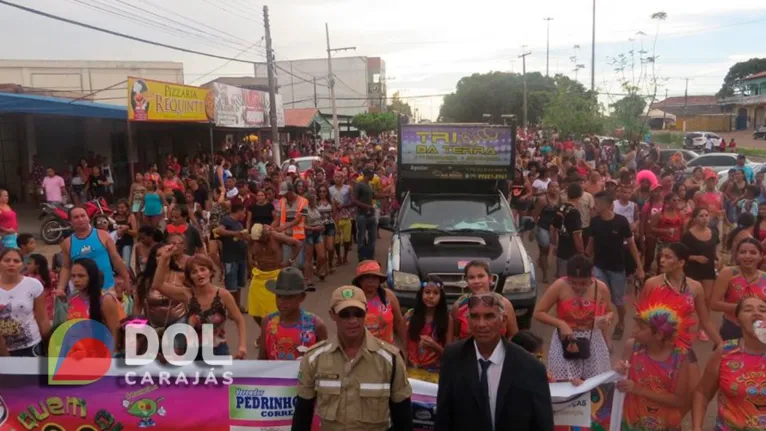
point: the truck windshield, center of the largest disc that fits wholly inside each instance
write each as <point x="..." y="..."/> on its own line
<point x="456" y="214"/>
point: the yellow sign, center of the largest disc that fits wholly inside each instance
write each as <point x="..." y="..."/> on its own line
<point x="163" y="101"/>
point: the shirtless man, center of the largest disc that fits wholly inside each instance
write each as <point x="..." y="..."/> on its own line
<point x="265" y="252"/>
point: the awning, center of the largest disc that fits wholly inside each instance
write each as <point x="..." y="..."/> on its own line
<point x="45" y="105"/>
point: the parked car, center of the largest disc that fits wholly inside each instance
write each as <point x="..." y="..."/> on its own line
<point x="760" y="133"/>
<point x="696" y="140"/>
<point x="303" y="163"/>
<point x="719" y="162"/>
<point x="666" y="154"/>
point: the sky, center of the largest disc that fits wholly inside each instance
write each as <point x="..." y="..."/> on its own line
<point x="427" y="45"/>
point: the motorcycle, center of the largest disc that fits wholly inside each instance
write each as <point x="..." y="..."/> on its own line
<point x="56" y="224"/>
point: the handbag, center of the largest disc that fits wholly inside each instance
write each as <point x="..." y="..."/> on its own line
<point x="579" y="347"/>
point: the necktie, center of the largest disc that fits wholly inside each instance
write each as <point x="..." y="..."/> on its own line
<point x="484" y="387"/>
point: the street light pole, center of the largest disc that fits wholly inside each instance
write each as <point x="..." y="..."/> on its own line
<point x="524" y="76"/>
<point x="547" y="43"/>
<point x="335" y="128"/>
<point x="593" y="52"/>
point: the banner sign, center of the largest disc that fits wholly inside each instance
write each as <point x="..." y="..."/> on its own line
<point x="455" y="151"/>
<point x="164" y="101"/>
<point x="157" y="400"/>
<point x="244" y="108"/>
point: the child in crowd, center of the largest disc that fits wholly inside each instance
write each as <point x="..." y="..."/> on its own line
<point x="289" y="332"/>
<point x="429" y="329"/>
<point x="27" y="245"/>
<point x="37" y="267"/>
<point x="661" y="373"/>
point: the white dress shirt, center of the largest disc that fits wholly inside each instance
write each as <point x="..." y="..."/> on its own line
<point x="493" y="373"/>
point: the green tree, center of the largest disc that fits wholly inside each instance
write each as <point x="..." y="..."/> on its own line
<point x="573" y="110"/>
<point x="497" y="93"/>
<point x="374" y="122"/>
<point x="732" y="82"/>
<point x="628" y="114"/>
<point x="399" y="106"/>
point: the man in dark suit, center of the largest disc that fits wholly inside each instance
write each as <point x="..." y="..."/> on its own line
<point x="487" y="383"/>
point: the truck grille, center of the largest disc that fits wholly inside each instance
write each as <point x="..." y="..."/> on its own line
<point x="455" y="284"/>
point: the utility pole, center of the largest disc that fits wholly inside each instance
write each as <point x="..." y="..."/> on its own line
<point x="315" y="93"/>
<point x="686" y="99"/>
<point x="524" y="75"/>
<point x="547" y="43"/>
<point x="593" y="52"/>
<point x="275" y="147"/>
<point x="331" y="79"/>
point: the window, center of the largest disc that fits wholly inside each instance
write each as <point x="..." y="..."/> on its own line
<point x="464" y="213"/>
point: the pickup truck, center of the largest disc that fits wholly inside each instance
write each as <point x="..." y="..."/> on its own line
<point x="438" y="234"/>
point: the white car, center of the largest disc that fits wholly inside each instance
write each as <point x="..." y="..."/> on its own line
<point x="719" y="162"/>
<point x="303" y="163"/>
<point x="697" y="140"/>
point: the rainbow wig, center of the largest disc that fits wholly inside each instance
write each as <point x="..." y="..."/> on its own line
<point x="648" y="175"/>
<point x="669" y="314"/>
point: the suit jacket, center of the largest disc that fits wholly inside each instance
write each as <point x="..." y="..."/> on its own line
<point x="523" y="395"/>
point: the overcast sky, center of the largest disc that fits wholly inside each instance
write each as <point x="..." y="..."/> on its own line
<point x="427" y="45"/>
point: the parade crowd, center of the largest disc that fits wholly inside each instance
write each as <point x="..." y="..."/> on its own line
<point x="615" y="228"/>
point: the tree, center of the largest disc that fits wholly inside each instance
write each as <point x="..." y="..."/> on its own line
<point x="732" y="82"/>
<point x="374" y="122"/>
<point x="573" y="110"/>
<point x="497" y="93"/>
<point x="639" y="83"/>
<point x="399" y="106"/>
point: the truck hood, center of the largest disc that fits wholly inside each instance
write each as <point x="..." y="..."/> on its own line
<point x="440" y="253"/>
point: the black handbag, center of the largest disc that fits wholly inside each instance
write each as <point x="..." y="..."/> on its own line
<point x="579" y="347"/>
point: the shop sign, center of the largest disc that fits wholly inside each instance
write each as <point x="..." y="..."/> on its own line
<point x="164" y="101"/>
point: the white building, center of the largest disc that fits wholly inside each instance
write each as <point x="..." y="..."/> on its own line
<point x="104" y="78"/>
<point x="360" y="84"/>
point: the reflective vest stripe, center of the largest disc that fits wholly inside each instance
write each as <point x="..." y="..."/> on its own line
<point x="299" y="232"/>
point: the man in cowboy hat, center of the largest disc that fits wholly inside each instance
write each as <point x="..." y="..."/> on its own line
<point x="288" y="333"/>
<point x="355" y="381"/>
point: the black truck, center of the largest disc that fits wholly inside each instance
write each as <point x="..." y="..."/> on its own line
<point x="452" y="186"/>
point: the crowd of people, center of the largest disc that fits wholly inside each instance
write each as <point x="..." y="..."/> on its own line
<point x="606" y="218"/>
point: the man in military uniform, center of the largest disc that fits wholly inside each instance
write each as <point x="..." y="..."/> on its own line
<point x="354" y="381"/>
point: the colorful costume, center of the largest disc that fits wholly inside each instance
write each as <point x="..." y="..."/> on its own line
<point x="742" y="390"/>
<point x="424" y="362"/>
<point x="380" y="319"/>
<point x="289" y="342"/>
<point x="261" y="302"/>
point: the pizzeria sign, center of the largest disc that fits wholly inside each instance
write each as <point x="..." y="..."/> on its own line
<point x="150" y="100"/>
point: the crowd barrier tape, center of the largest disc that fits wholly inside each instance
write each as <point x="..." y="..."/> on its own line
<point x="259" y="396"/>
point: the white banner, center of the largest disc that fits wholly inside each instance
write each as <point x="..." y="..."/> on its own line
<point x="243" y="108"/>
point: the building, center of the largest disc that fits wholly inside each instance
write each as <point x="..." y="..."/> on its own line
<point x="360" y="84"/>
<point x="749" y="107"/>
<point x="104" y="81"/>
<point x="684" y="106"/>
<point x="248" y="82"/>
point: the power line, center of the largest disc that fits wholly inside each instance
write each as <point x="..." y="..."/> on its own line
<point x="175" y="13"/>
<point x="226" y="63"/>
<point x="123" y="35"/>
<point x="148" y="22"/>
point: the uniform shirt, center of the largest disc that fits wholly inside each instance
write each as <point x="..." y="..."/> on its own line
<point x="353" y="394"/>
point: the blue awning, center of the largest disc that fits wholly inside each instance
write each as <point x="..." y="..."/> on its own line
<point x="46" y="105"/>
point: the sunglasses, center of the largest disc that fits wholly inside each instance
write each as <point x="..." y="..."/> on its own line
<point x="348" y="313"/>
<point x="488" y="299"/>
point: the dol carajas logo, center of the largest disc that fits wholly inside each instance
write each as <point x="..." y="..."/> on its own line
<point x="79" y="353"/>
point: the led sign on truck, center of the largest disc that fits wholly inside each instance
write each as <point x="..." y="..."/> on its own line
<point x="456" y="151"/>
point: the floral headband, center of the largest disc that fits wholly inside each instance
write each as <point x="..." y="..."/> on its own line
<point x="438" y="284"/>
